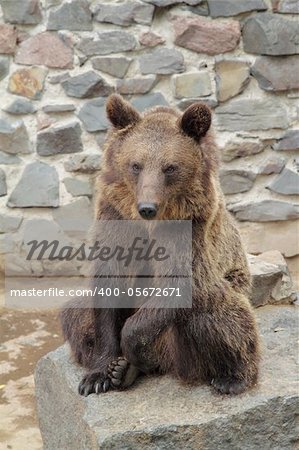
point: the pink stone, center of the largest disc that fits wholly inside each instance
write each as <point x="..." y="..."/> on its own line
<point x="8" y="38"/>
<point x="206" y="36"/>
<point x="150" y="39"/>
<point x="46" y="49"/>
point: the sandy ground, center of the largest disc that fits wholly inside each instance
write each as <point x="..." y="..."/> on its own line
<point x="25" y="337"/>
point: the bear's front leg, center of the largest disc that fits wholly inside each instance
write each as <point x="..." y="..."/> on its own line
<point x="109" y="370"/>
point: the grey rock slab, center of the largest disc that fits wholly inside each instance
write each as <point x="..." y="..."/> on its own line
<point x="138" y="85"/>
<point x="4" y="67"/>
<point x="9" y="224"/>
<point x="117" y="66"/>
<point x="14" y="137"/>
<point x="78" y="187"/>
<point x="276" y="73"/>
<point x="20" y="106"/>
<point x="237" y="149"/>
<point x="124" y="14"/>
<point x="201" y="10"/>
<point x="252" y="114"/>
<point x="290" y="141"/>
<point x="26" y="12"/>
<point x="83" y="163"/>
<point x="192" y="84"/>
<point x="59" y="140"/>
<point x="286" y="6"/>
<point x="3" y="186"/>
<point x="163" y="3"/>
<point x="270" y="34"/>
<point x="74" y="16"/>
<point x="235" y="181"/>
<point x="56" y="79"/>
<point x="162" y="61"/>
<point x="107" y="42"/>
<point x="227" y="8"/>
<point x="265" y="211"/>
<point x="93" y="115"/>
<point x="287" y="183"/>
<point x="232" y="77"/>
<point x="37" y="187"/>
<point x="160" y="413"/>
<point x="267" y="279"/>
<point x="186" y="102"/>
<point x="42" y="230"/>
<point x="7" y="159"/>
<point x="59" y="108"/>
<point x="75" y="218"/>
<point x="273" y="164"/>
<point x="149" y="101"/>
<point x="88" y="84"/>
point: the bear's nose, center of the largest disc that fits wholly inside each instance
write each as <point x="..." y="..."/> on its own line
<point x="147" y="210"/>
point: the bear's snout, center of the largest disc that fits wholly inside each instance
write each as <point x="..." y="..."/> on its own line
<point x="147" y="210"/>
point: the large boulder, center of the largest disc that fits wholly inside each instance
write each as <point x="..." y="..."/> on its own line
<point x="159" y="413"/>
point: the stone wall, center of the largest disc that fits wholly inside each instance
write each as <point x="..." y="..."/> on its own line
<point x="60" y="59"/>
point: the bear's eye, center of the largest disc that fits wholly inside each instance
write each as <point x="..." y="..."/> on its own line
<point x="169" y="169"/>
<point x="136" y="168"/>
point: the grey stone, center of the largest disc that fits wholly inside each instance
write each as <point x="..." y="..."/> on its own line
<point x="88" y="163"/>
<point x="38" y="187"/>
<point x="61" y="139"/>
<point x="78" y="187"/>
<point x="162" y="61"/>
<point x="107" y="42"/>
<point x="163" y="3"/>
<point x="56" y="79"/>
<point x="232" y="77"/>
<point x="273" y="164"/>
<point x="271" y="281"/>
<point x="124" y="14"/>
<point x="9" y="224"/>
<point x="14" y="137"/>
<point x="265" y="211"/>
<point x="149" y="101"/>
<point x="186" y="102"/>
<point x="85" y="85"/>
<point x="287" y="183"/>
<point x="74" y="16"/>
<point x="276" y="74"/>
<point x="75" y="218"/>
<point x="269" y="34"/>
<point x="286" y="6"/>
<point x="4" y="67"/>
<point x="21" y="11"/>
<point x="3" y="187"/>
<point x="192" y="84"/>
<point x="252" y="114"/>
<point x="234" y="181"/>
<point x="9" y="159"/>
<point x="40" y="230"/>
<point x="160" y="413"/>
<point x="227" y="8"/>
<point x="93" y="115"/>
<point x="117" y="66"/>
<point x="201" y="10"/>
<point x="20" y="106"/>
<point x="59" y="108"/>
<point x="138" y="85"/>
<point x="290" y="141"/>
<point x="237" y="149"/>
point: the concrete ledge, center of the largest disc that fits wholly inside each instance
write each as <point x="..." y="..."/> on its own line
<point x="160" y="414"/>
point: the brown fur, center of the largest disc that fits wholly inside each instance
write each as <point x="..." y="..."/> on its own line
<point x="215" y="341"/>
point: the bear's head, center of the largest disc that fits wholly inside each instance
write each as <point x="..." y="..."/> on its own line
<point x="159" y="165"/>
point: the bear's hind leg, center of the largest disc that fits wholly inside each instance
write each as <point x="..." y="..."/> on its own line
<point x="228" y="345"/>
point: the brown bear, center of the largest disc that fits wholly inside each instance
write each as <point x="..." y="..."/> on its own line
<point x="163" y="164"/>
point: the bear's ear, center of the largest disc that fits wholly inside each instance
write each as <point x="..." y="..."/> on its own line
<point x="121" y="113"/>
<point x="196" y="120"/>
